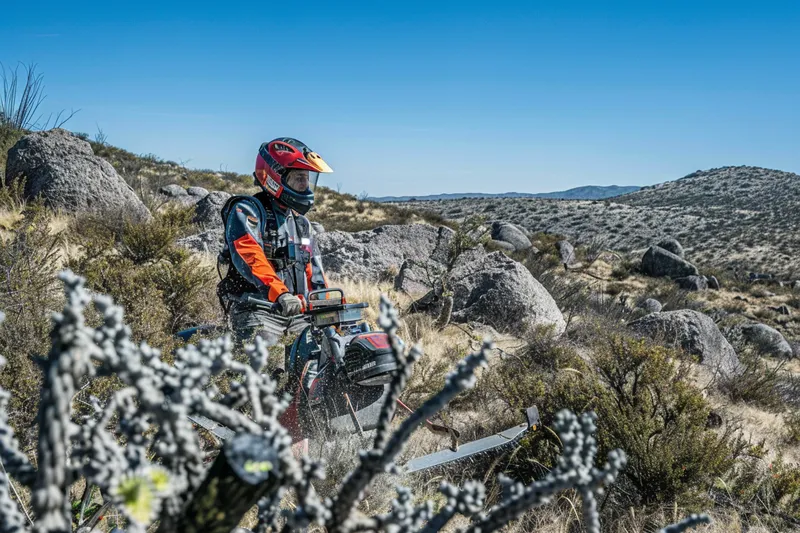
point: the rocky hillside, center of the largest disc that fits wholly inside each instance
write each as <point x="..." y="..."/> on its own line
<point x="715" y="192"/>
<point x="740" y="217"/>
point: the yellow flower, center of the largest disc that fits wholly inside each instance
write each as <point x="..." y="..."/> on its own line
<point x="137" y="497"/>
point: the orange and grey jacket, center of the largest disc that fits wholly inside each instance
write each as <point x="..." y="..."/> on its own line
<point x="271" y="250"/>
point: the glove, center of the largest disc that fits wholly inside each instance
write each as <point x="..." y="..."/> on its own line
<point x="290" y="304"/>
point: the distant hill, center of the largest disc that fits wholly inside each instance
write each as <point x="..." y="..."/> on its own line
<point x="589" y="192"/>
<point x="745" y="216"/>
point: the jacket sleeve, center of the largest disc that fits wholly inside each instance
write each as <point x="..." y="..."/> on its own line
<point x="243" y="233"/>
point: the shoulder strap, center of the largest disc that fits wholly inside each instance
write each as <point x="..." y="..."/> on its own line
<point x="226" y="209"/>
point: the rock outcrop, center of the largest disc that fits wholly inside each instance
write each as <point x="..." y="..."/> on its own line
<point x="489" y="288"/>
<point x="372" y="255"/>
<point x="671" y="245"/>
<point x="659" y="262"/>
<point x="765" y="339"/>
<point x="207" y="211"/>
<point x="695" y="333"/>
<point x="650" y="305"/>
<point x="511" y="234"/>
<point x="63" y="171"/>
<point x="692" y="283"/>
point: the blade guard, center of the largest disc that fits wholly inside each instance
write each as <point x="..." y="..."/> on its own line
<point x="475" y="447"/>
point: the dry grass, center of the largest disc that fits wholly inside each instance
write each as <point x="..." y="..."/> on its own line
<point x="758" y="426"/>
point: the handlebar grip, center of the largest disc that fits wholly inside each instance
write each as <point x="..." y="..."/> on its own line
<point x="261" y="303"/>
<point x="265" y="304"/>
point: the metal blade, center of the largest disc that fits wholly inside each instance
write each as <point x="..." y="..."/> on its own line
<point x="466" y="450"/>
<point x="475" y="447"/>
<point x="218" y="430"/>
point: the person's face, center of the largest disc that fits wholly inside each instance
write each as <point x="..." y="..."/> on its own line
<point x="297" y="179"/>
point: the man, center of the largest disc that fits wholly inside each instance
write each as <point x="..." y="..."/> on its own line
<point x="269" y="244"/>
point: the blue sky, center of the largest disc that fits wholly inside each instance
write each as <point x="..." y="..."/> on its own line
<point x="429" y="97"/>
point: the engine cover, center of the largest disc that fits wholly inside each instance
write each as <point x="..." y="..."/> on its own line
<point x="368" y="359"/>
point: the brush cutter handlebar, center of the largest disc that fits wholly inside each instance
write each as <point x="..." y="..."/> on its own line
<point x="343" y="311"/>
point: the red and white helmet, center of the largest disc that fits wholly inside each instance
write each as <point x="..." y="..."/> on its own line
<point x="274" y="161"/>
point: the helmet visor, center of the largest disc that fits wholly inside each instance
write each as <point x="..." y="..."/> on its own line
<point x="301" y="181"/>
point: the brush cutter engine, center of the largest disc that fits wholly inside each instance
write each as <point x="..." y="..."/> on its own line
<point x="368" y="359"/>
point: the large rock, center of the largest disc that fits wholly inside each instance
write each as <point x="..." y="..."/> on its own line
<point x="566" y="252"/>
<point x="659" y="262"/>
<point x="372" y="255"/>
<point x="176" y="194"/>
<point x="692" y="283"/>
<point x="650" y="305"/>
<point x="173" y="190"/>
<point x="502" y="246"/>
<point x="200" y="192"/>
<point x="693" y="331"/>
<point x="207" y="210"/>
<point x="671" y="245"/>
<point x="317" y="228"/>
<point x="419" y="276"/>
<point x="765" y="339"/>
<point x="211" y="241"/>
<point x="506" y="232"/>
<point x="63" y="170"/>
<point x="494" y="289"/>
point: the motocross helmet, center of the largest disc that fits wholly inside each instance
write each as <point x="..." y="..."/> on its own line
<point x="276" y="159"/>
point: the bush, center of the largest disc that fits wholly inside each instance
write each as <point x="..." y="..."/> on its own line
<point x="643" y="393"/>
<point x="757" y="383"/>
<point x="155" y="240"/>
<point x="30" y="292"/>
<point x="163" y="287"/>
<point x="8" y="138"/>
<point x="624" y="269"/>
<point x="768" y="487"/>
<point x="791" y="422"/>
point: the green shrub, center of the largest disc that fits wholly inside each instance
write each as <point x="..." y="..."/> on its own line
<point x="625" y="268"/>
<point x="614" y="289"/>
<point x="770" y="488"/>
<point x="757" y="383"/>
<point x="791" y="422"/>
<point x="29" y="292"/>
<point x="643" y="393"/>
<point x="8" y="138"/>
<point x="570" y="295"/>
<point x="162" y="287"/>
<point x="188" y="289"/>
